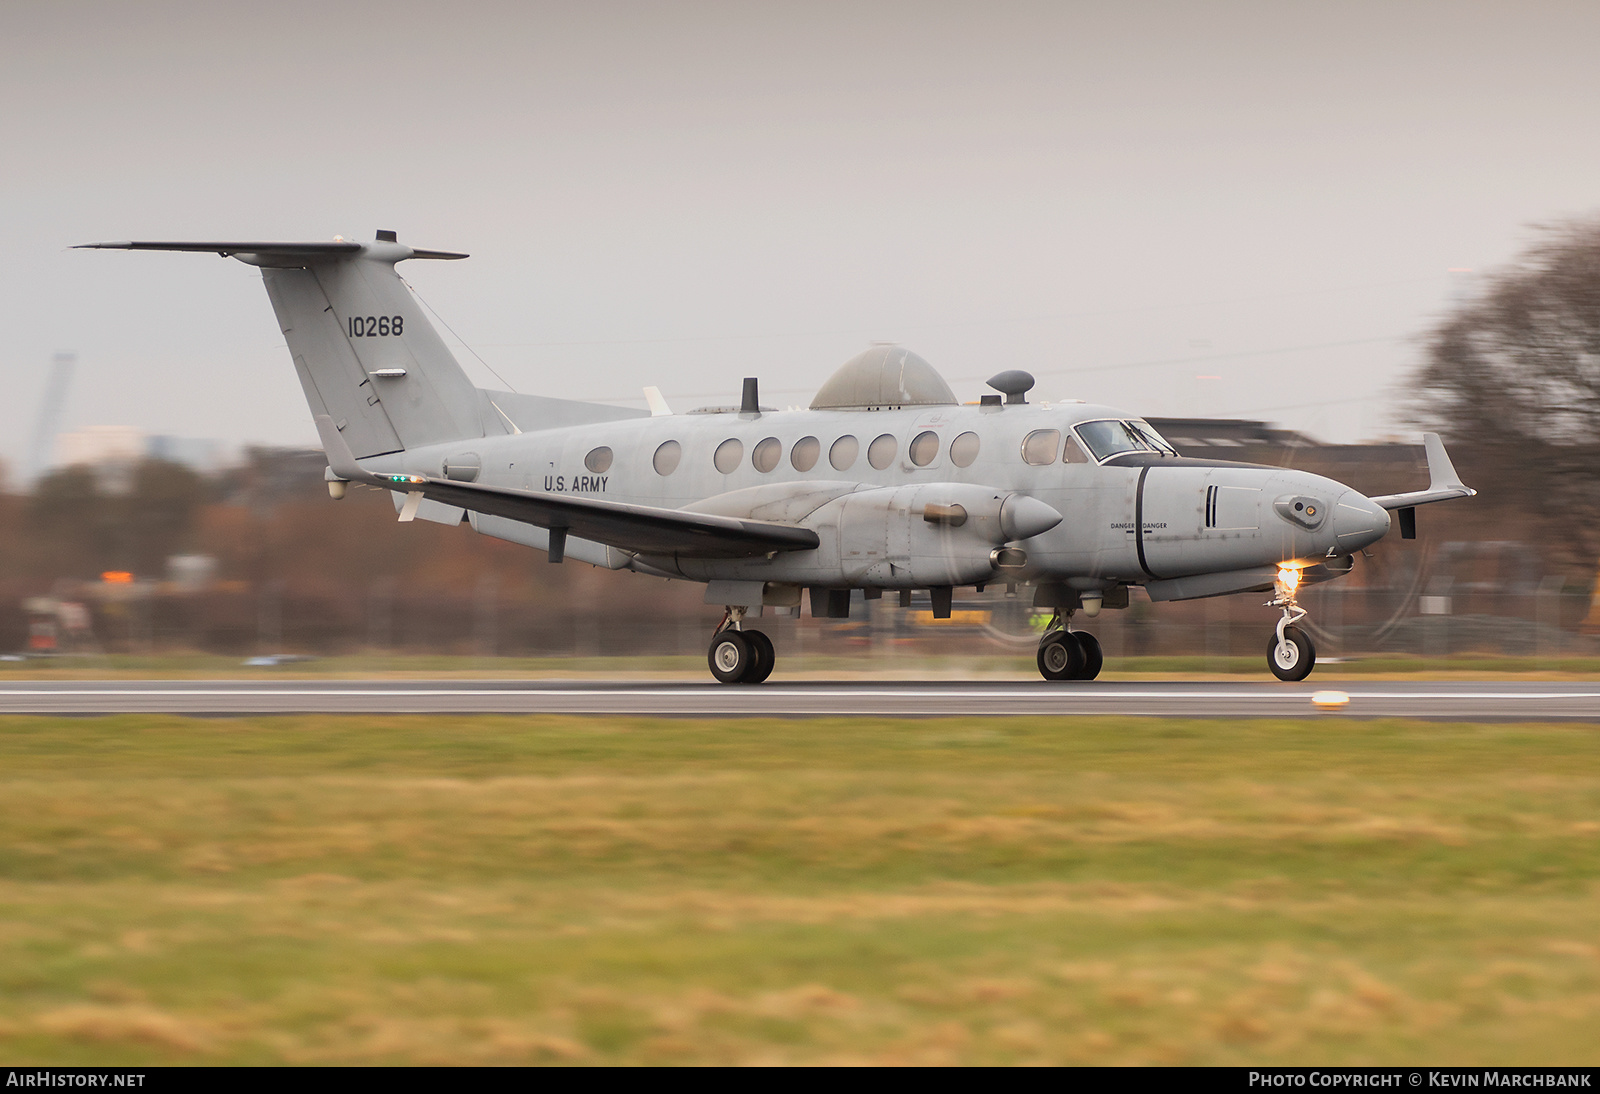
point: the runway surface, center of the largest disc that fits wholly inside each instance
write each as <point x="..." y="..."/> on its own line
<point x="1454" y="700"/>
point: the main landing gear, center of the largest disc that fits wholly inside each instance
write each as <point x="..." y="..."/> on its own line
<point x="738" y="656"/>
<point x="1290" y="652"/>
<point x="1068" y="655"/>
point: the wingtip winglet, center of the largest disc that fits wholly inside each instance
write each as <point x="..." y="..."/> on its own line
<point x="1441" y="472"/>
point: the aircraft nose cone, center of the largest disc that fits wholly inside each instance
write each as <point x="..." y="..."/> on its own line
<point x="1358" y="521"/>
<point x="1022" y="517"/>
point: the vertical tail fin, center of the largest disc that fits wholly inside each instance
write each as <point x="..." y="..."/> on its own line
<point x="366" y="355"/>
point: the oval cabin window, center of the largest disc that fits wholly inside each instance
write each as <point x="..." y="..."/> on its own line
<point x="844" y="452"/>
<point x="880" y="453"/>
<point x="767" y="454"/>
<point x="667" y="457"/>
<point x="728" y="455"/>
<point x="1039" y="447"/>
<point x="924" y="448"/>
<point x="599" y="460"/>
<point x="964" y="449"/>
<point x="804" y="455"/>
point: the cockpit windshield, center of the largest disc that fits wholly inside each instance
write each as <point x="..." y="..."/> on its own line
<point x="1109" y="438"/>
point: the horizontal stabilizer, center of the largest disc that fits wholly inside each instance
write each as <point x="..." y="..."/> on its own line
<point x="322" y="248"/>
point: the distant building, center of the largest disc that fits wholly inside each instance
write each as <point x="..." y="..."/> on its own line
<point x="110" y="446"/>
<point x="197" y="453"/>
<point x="100" y="444"/>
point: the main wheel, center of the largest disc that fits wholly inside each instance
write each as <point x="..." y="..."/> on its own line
<point x="765" y="658"/>
<point x="1294" y="657"/>
<point x="731" y="656"/>
<point x="1060" y="657"/>
<point x="1093" y="658"/>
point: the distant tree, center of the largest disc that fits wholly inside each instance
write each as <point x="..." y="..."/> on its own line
<point x="73" y="529"/>
<point x="1513" y="378"/>
<point x="84" y="529"/>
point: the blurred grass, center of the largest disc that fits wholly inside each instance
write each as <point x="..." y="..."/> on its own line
<point x="1107" y="890"/>
<point x="791" y="666"/>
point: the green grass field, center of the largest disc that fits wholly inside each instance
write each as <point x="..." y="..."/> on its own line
<point x="595" y="890"/>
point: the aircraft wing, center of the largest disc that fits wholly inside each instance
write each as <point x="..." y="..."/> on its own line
<point x="1443" y="484"/>
<point x="644" y="529"/>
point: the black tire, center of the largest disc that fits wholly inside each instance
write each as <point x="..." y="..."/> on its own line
<point x="1093" y="657"/>
<point x="1301" y="655"/>
<point x="730" y="656"/>
<point x="765" y="658"/>
<point x="1060" y="657"/>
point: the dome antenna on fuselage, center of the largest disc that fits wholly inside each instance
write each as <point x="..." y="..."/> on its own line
<point x="1013" y="383"/>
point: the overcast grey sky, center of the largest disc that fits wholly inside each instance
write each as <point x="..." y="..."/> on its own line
<point x="1121" y="198"/>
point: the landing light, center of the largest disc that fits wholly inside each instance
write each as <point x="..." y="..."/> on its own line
<point x="1288" y="579"/>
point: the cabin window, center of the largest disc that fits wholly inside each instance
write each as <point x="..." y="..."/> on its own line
<point x="964" y="449"/>
<point x="880" y="453"/>
<point x="599" y="460"/>
<point x="805" y="452"/>
<point x="1039" y="447"/>
<point x="1072" y="453"/>
<point x="843" y="453"/>
<point x="728" y="455"/>
<point x="924" y="448"/>
<point x="667" y="457"/>
<point x="1106" y="439"/>
<point x="767" y="454"/>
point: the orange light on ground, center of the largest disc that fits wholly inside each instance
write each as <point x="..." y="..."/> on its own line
<point x="117" y="577"/>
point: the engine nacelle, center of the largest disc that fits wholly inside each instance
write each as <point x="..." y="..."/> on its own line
<point x="932" y="534"/>
<point x="938" y="533"/>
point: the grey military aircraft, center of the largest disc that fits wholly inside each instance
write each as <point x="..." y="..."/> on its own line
<point x="886" y="483"/>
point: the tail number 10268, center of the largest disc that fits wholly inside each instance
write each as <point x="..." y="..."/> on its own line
<point x="375" y="326"/>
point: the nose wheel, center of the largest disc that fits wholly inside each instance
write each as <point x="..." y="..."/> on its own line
<point x="1291" y="655"/>
<point x="738" y="656"/>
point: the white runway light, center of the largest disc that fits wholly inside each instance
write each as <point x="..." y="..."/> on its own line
<point x="1330" y="700"/>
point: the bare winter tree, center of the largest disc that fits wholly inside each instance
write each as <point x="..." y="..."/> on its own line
<point x="1513" y="379"/>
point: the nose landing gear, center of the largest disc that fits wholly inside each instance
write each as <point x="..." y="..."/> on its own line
<point x="1290" y="653"/>
<point x="738" y="656"/>
<point x="1068" y="655"/>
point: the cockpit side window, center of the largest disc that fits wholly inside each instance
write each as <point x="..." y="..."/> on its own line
<point x="1106" y="439"/>
<point x="1152" y="438"/>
